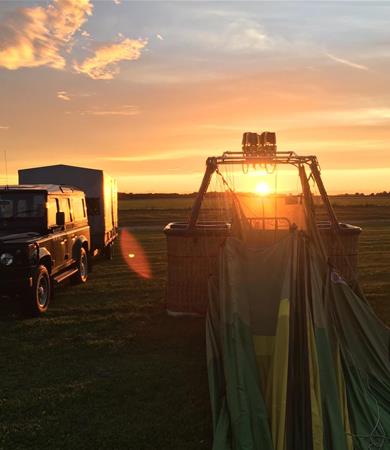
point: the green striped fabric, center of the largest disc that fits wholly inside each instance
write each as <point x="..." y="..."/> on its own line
<point x="296" y="360"/>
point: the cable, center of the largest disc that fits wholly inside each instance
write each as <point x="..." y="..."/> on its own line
<point x="276" y="202"/>
<point x="272" y="170"/>
<point x="364" y="382"/>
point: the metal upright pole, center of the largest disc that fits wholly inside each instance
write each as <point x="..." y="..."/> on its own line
<point x="211" y="166"/>
<point x="317" y="177"/>
<point x="309" y="208"/>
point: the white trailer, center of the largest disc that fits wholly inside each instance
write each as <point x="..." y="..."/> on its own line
<point x="100" y="192"/>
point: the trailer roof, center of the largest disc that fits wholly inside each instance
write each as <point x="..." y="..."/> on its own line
<point x="50" y="188"/>
<point x="59" y="166"/>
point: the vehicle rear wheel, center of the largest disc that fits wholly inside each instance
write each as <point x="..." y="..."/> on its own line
<point x="82" y="267"/>
<point x="37" y="299"/>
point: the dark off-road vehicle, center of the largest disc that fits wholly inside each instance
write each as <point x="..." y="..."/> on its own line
<point x="44" y="239"/>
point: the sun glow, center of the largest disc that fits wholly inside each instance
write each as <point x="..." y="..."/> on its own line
<point x="263" y="188"/>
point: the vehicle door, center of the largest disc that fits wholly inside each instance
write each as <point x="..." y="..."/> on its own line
<point x="66" y="240"/>
<point x="79" y="221"/>
<point x="55" y="243"/>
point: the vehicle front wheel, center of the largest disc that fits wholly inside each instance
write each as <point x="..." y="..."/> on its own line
<point x="81" y="275"/>
<point x="37" y="298"/>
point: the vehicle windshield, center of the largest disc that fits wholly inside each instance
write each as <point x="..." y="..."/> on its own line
<point x="21" y="205"/>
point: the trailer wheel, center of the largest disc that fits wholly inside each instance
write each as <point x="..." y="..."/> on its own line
<point x="81" y="275"/>
<point x="36" y="300"/>
<point x="109" y="251"/>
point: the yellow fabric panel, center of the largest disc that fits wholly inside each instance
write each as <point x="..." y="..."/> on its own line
<point x="272" y="361"/>
<point x="315" y="388"/>
<point x="343" y="399"/>
<point x="276" y="395"/>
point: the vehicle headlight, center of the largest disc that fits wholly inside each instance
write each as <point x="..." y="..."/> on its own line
<point x="6" y="259"/>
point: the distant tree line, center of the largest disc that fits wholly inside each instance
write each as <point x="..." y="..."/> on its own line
<point x="133" y="196"/>
<point x="130" y="196"/>
<point x="373" y="194"/>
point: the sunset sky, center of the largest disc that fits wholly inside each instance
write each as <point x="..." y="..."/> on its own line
<point x="147" y="90"/>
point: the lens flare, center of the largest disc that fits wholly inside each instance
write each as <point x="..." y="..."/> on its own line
<point x="134" y="255"/>
<point x="263" y="188"/>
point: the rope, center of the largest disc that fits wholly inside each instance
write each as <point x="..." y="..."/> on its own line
<point x="272" y="170"/>
<point x="217" y="171"/>
<point x="276" y="202"/>
<point x="365" y="383"/>
<point x="236" y="201"/>
<point x="378" y="426"/>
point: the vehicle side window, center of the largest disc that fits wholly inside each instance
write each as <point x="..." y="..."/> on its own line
<point x="30" y="207"/>
<point x="78" y="208"/>
<point x="52" y="209"/>
<point x="21" y="205"/>
<point x="22" y="209"/>
<point x="93" y="206"/>
<point x="65" y="208"/>
<point x="6" y="208"/>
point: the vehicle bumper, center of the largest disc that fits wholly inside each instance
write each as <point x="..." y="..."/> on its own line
<point x="10" y="285"/>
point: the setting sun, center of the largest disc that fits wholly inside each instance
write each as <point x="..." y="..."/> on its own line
<point x="263" y="188"/>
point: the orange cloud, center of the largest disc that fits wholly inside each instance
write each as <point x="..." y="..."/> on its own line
<point x="36" y="36"/>
<point x="103" y="65"/>
<point x="125" y="110"/>
<point x="63" y="95"/>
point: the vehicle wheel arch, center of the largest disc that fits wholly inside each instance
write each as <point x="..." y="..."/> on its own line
<point x="81" y="242"/>
<point x="45" y="260"/>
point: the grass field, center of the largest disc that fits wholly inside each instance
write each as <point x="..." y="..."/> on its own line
<point x="107" y="369"/>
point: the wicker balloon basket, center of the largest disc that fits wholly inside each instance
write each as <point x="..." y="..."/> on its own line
<point x="342" y="248"/>
<point x="193" y="258"/>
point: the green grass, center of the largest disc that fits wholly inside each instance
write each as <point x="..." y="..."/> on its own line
<point x="159" y="204"/>
<point x="107" y="369"/>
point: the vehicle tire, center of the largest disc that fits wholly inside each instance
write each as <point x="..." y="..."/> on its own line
<point x="37" y="298"/>
<point x="82" y="267"/>
<point x="109" y="251"/>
